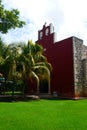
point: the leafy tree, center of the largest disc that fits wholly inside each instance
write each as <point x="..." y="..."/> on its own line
<point x="2" y="54"/>
<point x="9" y="19"/>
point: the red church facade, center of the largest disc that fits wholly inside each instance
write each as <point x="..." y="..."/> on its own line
<point x="66" y="59"/>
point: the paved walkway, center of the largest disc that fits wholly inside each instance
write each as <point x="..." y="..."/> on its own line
<point x="9" y="98"/>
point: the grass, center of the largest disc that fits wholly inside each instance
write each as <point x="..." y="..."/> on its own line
<point x="44" y="115"/>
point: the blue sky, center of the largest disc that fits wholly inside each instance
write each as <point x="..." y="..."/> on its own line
<point x="69" y="18"/>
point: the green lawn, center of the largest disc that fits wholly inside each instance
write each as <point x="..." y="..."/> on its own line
<point x="44" y="115"/>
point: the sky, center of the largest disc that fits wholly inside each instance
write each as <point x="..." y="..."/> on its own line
<point x="69" y="18"/>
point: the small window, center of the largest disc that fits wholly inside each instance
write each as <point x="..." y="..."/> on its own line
<point x="47" y="32"/>
<point x="41" y="35"/>
<point x="51" y="28"/>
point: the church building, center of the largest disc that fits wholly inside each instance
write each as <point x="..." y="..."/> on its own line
<point x="69" y="61"/>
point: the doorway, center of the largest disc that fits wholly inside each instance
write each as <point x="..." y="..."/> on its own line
<point x="44" y="86"/>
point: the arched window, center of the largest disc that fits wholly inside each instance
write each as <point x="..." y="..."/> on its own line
<point x="47" y="32"/>
<point x="41" y="35"/>
<point x="51" y="28"/>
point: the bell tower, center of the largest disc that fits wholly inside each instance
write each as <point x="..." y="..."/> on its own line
<point x="46" y="35"/>
<point x="46" y="31"/>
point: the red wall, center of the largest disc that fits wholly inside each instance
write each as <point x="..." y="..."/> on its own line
<point x="63" y="68"/>
<point x="60" y="55"/>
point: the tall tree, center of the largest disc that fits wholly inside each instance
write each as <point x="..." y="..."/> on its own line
<point x="9" y="19"/>
<point x="35" y="65"/>
<point x="3" y="51"/>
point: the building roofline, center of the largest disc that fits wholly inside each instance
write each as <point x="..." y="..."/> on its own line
<point x="69" y="38"/>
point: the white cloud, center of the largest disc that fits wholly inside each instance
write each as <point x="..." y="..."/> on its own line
<point x="74" y="19"/>
<point x="68" y="16"/>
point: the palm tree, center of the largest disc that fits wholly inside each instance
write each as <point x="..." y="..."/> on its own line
<point x="34" y="63"/>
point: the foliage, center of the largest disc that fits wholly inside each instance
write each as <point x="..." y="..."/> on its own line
<point x="34" y="64"/>
<point x="9" y="19"/>
<point x="24" y="62"/>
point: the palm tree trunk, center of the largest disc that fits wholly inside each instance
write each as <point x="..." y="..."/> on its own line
<point x="37" y="79"/>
